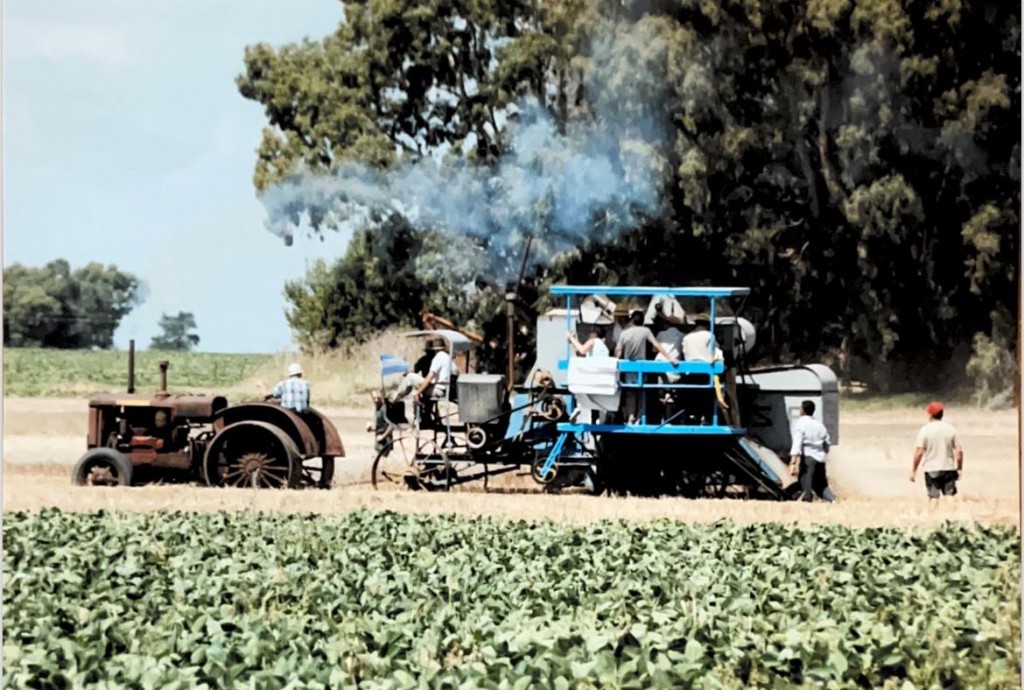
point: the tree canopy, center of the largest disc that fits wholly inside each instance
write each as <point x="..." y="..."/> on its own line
<point x="54" y="306"/>
<point x="856" y="163"/>
<point x="176" y="332"/>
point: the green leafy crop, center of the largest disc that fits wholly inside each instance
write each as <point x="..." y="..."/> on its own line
<point x="382" y="600"/>
<point x="32" y="372"/>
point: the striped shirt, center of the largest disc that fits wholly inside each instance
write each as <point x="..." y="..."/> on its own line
<point x="810" y="438"/>
<point x="293" y="393"/>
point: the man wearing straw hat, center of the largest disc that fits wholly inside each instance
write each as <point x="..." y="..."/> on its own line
<point x="436" y="382"/>
<point x="697" y="343"/>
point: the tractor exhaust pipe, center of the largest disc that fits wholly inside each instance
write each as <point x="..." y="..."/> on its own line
<point x="131" y="367"/>
<point x="510" y="336"/>
<point x="163" y="377"/>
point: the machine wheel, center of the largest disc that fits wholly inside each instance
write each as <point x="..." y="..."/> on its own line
<point x="395" y="465"/>
<point x="102" y="467"/>
<point x="538" y="465"/>
<point x="318" y="473"/>
<point x="476" y="438"/>
<point x="552" y="409"/>
<point x="593" y="481"/>
<point x="253" y="454"/>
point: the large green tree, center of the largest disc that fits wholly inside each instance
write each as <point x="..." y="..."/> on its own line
<point x="55" y="306"/>
<point x="855" y="162"/>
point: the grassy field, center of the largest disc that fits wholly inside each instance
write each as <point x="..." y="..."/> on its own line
<point x="32" y="372"/>
<point x="337" y="378"/>
<point x="384" y="600"/>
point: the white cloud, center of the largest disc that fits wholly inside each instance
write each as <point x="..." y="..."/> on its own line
<point x="109" y="45"/>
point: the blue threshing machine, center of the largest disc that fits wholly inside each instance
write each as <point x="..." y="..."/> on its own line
<point x="713" y="427"/>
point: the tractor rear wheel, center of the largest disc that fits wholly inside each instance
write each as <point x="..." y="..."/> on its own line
<point x="253" y="454"/>
<point x="102" y="467"/>
<point x="318" y="473"/>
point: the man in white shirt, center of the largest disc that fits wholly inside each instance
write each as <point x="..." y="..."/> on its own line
<point x="810" y="448"/>
<point x="438" y="379"/>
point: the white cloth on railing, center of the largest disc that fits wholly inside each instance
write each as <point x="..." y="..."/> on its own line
<point x="595" y="382"/>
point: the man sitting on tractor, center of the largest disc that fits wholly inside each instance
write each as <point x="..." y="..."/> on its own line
<point x="293" y="392"/>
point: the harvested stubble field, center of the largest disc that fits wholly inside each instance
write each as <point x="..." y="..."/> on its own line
<point x="44" y="436"/>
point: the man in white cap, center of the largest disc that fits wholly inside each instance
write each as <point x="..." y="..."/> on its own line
<point x="293" y="392"/>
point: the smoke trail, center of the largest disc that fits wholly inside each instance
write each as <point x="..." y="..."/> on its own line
<point x="565" y="190"/>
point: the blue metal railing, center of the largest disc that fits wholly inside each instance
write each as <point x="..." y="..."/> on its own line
<point x="617" y="291"/>
<point x="635" y="372"/>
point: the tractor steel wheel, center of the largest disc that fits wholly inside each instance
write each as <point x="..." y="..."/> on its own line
<point x="102" y="467"/>
<point x="253" y="454"/>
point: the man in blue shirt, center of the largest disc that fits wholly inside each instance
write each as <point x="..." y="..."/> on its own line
<point x="293" y="392"/>
<point x="810" y="448"/>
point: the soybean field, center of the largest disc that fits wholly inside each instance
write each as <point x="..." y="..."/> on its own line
<point x="41" y="372"/>
<point x="378" y="599"/>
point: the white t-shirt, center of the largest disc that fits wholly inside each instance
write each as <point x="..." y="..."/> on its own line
<point x="938" y="440"/>
<point x="599" y="349"/>
<point x="441" y="367"/>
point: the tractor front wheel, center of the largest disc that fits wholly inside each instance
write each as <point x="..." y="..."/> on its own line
<point x="102" y="467"/>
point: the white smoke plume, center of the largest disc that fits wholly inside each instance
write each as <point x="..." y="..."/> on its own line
<point x="566" y="190"/>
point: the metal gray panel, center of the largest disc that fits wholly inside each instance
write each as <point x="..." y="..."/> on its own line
<point x="782" y="389"/>
<point x="551" y="342"/>
<point x="480" y="397"/>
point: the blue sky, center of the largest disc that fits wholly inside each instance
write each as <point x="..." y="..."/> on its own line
<point x="125" y="141"/>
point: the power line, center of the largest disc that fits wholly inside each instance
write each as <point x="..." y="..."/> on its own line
<point x="71" y="319"/>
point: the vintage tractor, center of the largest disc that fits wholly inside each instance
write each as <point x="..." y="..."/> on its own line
<point x="136" y="438"/>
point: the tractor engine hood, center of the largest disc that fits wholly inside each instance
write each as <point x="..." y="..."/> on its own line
<point x="194" y="408"/>
<point x="198" y="408"/>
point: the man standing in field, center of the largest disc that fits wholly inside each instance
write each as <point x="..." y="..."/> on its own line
<point x="293" y="392"/>
<point x="810" y="447"/>
<point x="938" y="453"/>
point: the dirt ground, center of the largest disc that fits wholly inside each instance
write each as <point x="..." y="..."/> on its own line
<point x="869" y="470"/>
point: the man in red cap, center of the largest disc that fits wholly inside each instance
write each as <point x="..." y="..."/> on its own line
<point x="939" y="455"/>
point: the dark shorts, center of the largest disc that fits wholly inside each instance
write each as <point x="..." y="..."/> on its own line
<point x="941" y="482"/>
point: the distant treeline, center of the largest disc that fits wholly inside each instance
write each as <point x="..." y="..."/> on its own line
<point x="856" y="163"/>
<point x="55" y="306"/>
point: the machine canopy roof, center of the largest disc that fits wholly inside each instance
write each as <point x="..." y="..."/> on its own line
<point x="456" y="341"/>
<point x="613" y="290"/>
